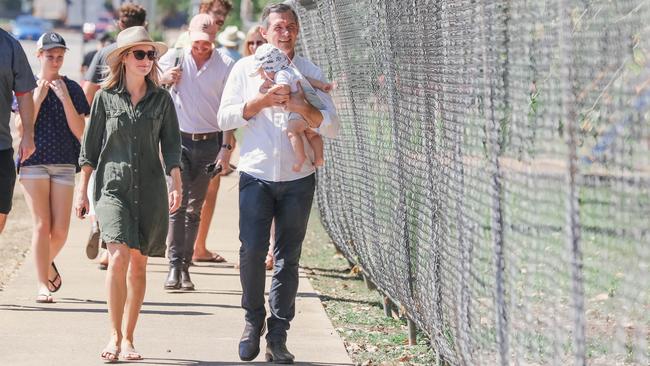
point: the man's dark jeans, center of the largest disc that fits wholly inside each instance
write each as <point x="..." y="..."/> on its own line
<point x="259" y="203"/>
<point x="184" y="223"/>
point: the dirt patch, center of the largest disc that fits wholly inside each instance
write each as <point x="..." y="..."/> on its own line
<point x="16" y="238"/>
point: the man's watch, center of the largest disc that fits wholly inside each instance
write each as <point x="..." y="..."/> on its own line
<point x="227" y="146"/>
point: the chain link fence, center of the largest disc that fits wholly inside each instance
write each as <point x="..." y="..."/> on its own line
<point x="493" y="170"/>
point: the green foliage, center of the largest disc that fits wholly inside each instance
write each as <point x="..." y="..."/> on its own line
<point x="356" y="312"/>
<point x="258" y="5"/>
<point x="167" y="7"/>
<point x="170" y="7"/>
<point x="157" y="35"/>
<point x="234" y="18"/>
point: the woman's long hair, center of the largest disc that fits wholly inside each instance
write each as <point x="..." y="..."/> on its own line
<point x="251" y="32"/>
<point x="116" y="72"/>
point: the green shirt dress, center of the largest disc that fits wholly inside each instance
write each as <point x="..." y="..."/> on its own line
<point x="124" y="144"/>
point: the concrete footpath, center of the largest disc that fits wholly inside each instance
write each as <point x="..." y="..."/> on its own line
<point x="175" y="328"/>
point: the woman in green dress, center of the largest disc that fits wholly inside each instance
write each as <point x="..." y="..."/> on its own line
<point x="133" y="122"/>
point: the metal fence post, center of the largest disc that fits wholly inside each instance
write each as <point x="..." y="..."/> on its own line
<point x="569" y="117"/>
<point x="496" y="106"/>
<point x="413" y="332"/>
<point x="388" y="307"/>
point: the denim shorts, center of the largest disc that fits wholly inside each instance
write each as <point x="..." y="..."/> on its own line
<point x="57" y="173"/>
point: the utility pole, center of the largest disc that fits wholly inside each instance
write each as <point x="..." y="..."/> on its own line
<point x="153" y="10"/>
<point x="246" y="13"/>
<point x="84" y="19"/>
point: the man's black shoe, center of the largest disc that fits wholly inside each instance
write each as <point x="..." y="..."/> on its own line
<point x="249" y="344"/>
<point x="173" y="281"/>
<point x="186" y="282"/>
<point x="277" y="352"/>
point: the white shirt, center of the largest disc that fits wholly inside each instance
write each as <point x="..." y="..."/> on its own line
<point x="265" y="150"/>
<point x="288" y="77"/>
<point x="197" y="96"/>
<point x="292" y="77"/>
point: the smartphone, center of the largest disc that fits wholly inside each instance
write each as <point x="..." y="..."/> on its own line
<point x="178" y="61"/>
<point x="179" y="58"/>
<point x="213" y="170"/>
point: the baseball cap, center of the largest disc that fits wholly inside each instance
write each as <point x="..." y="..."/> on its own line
<point x="50" y="40"/>
<point x="203" y="28"/>
<point x="269" y="58"/>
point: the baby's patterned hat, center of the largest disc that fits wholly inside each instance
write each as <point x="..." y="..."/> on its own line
<point x="270" y="58"/>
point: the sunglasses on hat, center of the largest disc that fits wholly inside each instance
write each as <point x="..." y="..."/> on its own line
<point x="140" y="55"/>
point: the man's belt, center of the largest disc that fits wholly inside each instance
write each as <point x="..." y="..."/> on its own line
<point x="200" y="136"/>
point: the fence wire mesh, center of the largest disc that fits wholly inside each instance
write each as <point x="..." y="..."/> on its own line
<point x="493" y="170"/>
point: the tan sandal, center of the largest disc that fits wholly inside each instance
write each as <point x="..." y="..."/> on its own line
<point x="44" y="297"/>
<point x="214" y="258"/>
<point x="111" y="353"/>
<point x="130" y="353"/>
<point x="92" y="246"/>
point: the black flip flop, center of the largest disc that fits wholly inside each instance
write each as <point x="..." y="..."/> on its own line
<point x="54" y="287"/>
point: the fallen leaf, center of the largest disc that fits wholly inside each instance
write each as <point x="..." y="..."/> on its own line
<point x="601" y="297"/>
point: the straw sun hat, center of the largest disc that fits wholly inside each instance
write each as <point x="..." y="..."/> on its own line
<point x="130" y="37"/>
<point x="231" y="36"/>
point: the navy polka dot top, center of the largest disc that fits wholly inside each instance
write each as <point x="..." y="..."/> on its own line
<point x="55" y="142"/>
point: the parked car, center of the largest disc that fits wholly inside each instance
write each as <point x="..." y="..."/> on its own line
<point x="104" y="24"/>
<point x="29" y="27"/>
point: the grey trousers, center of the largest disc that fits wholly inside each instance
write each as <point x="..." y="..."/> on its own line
<point x="184" y="223"/>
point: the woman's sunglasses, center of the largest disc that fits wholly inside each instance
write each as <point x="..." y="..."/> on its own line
<point x="140" y="55"/>
<point x="256" y="43"/>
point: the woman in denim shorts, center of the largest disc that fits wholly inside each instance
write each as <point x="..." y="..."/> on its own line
<point x="47" y="177"/>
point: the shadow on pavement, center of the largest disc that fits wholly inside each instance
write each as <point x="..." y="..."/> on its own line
<point x="174" y="361"/>
<point x="11" y="307"/>
<point x="71" y="300"/>
<point x="201" y="264"/>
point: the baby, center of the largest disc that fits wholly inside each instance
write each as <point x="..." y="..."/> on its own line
<point x="273" y="64"/>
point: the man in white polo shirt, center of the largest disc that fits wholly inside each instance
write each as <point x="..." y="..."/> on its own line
<point x="196" y="76"/>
